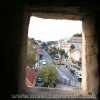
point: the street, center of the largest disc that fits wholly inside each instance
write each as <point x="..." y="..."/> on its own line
<point x="65" y="76"/>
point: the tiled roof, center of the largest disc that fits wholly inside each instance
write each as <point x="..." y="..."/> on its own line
<point x="74" y="37"/>
<point x="30" y="76"/>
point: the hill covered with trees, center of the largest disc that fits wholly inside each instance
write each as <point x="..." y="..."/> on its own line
<point x="31" y="52"/>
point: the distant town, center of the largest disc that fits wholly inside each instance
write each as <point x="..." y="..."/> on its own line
<point x="54" y="64"/>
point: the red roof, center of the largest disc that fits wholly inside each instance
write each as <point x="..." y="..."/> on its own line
<point x="30" y="76"/>
<point x="75" y="37"/>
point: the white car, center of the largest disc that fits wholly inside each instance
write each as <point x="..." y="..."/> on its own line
<point x="43" y="62"/>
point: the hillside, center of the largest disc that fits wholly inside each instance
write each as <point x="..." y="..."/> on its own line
<point x="31" y="51"/>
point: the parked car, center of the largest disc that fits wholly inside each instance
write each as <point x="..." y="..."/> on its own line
<point x="80" y="79"/>
<point x="39" y="80"/>
<point x="78" y="73"/>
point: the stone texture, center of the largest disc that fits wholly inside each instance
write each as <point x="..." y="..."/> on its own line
<point x="14" y="34"/>
<point x="89" y="26"/>
<point x="91" y="52"/>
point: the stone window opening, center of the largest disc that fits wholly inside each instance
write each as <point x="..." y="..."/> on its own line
<point x="85" y="85"/>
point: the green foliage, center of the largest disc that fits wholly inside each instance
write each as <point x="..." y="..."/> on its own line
<point x="66" y="55"/>
<point x="61" y="52"/>
<point x="48" y="73"/>
<point x="72" y="47"/>
<point x="44" y="46"/>
<point x="30" y="59"/>
<point x="78" y="35"/>
<point x="33" y="41"/>
<point x="53" y="51"/>
<point x="31" y="52"/>
<point x="51" y="42"/>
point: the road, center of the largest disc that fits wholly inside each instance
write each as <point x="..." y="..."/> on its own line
<point x="64" y="72"/>
<point x="46" y="56"/>
<point x="72" y="79"/>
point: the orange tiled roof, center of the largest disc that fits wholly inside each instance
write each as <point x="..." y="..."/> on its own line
<point x="30" y="76"/>
<point x="74" y="37"/>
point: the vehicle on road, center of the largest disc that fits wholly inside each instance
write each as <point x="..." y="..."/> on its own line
<point x="56" y="61"/>
<point x="39" y="80"/>
<point x="80" y="79"/>
<point x="43" y="62"/>
<point x="78" y="73"/>
<point x="40" y="56"/>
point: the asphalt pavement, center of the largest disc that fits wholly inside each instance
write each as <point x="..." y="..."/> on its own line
<point x="66" y="72"/>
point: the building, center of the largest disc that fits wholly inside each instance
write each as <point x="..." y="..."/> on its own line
<point x="76" y="55"/>
<point x="66" y="43"/>
<point x="62" y="44"/>
<point x="76" y="41"/>
<point x="30" y="77"/>
<point x="15" y="16"/>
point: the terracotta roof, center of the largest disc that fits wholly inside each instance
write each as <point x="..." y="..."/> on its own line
<point x="28" y="82"/>
<point x="30" y="76"/>
<point x="74" y="37"/>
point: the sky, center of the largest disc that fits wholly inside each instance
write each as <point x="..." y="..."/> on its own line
<point x="52" y="29"/>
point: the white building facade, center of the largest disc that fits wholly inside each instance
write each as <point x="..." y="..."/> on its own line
<point x="67" y="42"/>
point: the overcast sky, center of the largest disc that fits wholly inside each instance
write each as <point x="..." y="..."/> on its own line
<point x="51" y="29"/>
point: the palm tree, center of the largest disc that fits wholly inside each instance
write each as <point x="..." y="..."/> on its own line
<point x="62" y="53"/>
<point x="71" y="49"/>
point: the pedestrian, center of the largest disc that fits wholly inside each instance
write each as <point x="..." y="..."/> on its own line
<point x="73" y="72"/>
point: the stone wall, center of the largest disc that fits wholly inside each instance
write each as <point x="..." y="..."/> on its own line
<point x="14" y="21"/>
<point x="90" y="54"/>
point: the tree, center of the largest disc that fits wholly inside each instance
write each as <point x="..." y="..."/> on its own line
<point x="78" y="35"/>
<point x="33" y="41"/>
<point x="51" y="42"/>
<point x="48" y="73"/>
<point x="53" y="52"/>
<point x="31" y="52"/>
<point x="66" y="55"/>
<point x="61" y="52"/>
<point x="44" y="46"/>
<point x="71" y="48"/>
<point x="30" y="59"/>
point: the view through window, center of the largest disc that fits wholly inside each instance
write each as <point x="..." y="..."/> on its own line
<point x="54" y="53"/>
